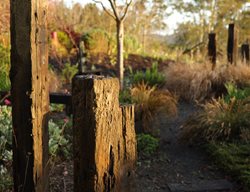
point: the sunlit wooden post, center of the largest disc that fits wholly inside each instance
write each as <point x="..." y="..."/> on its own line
<point x="232" y="44"/>
<point x="104" y="136"/>
<point x="212" y="49"/>
<point x="29" y="92"/>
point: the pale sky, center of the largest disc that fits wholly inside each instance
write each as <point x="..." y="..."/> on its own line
<point x="171" y="21"/>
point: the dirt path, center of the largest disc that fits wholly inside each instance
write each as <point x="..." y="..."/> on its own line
<point x="175" y="162"/>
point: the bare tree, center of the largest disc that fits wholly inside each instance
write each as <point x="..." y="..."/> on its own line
<point x="118" y="13"/>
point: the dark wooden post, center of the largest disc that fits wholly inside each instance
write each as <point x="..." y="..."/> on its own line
<point x="104" y="136"/>
<point x="232" y="45"/>
<point x="212" y="49"/>
<point x="29" y="92"/>
<point x="245" y="52"/>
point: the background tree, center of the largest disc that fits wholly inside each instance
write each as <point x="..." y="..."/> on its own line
<point x="119" y="13"/>
<point x="206" y="16"/>
<point x="145" y="19"/>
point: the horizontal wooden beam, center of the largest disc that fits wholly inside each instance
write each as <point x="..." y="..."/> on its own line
<point x="59" y="98"/>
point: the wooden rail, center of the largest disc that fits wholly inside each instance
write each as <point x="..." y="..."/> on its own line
<point x="57" y="98"/>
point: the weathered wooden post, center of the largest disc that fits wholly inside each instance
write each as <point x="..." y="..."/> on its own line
<point x="245" y="53"/>
<point x="232" y="44"/>
<point x="104" y="136"/>
<point x="29" y="92"/>
<point x="212" y="49"/>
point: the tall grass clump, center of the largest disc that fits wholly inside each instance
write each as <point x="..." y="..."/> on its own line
<point x="149" y="101"/>
<point x="200" y="82"/>
<point x="224" y="119"/>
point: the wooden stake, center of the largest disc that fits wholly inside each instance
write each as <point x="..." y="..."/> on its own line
<point x="29" y="92"/>
<point x="245" y="53"/>
<point x="232" y="45"/>
<point x="212" y="49"/>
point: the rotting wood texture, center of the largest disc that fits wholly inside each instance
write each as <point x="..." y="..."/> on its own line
<point x="29" y="92"/>
<point x="104" y="136"/>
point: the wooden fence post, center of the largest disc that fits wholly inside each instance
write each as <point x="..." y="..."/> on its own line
<point x="245" y="53"/>
<point x="29" y="95"/>
<point x="104" y="136"/>
<point x="232" y="44"/>
<point x="212" y="49"/>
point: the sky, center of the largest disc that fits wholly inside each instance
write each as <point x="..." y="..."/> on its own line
<point x="171" y="21"/>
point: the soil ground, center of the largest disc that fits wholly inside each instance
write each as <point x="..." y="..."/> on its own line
<point x="176" y="162"/>
<point x="173" y="163"/>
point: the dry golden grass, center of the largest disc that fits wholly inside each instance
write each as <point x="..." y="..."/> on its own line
<point x="149" y="101"/>
<point x="199" y="82"/>
<point x="219" y="121"/>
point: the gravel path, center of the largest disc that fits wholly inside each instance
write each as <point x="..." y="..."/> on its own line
<point x="175" y="162"/>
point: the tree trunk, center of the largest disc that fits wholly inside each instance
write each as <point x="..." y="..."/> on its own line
<point x="29" y="94"/>
<point x="119" y="38"/>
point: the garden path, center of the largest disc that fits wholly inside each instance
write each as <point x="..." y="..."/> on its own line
<point x="176" y="163"/>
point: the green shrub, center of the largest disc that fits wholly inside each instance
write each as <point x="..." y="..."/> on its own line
<point x="234" y="159"/>
<point x="64" y="40"/>
<point x="68" y="72"/>
<point x="152" y="76"/>
<point x="131" y="45"/>
<point x="125" y="97"/>
<point x="5" y="148"/>
<point x="96" y="40"/>
<point x="4" y="68"/>
<point x="147" y="145"/>
<point x="59" y="144"/>
<point x="234" y="92"/>
<point x="57" y="107"/>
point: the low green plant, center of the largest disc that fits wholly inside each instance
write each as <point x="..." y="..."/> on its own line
<point x="57" y="107"/>
<point x="5" y="148"/>
<point x="97" y="40"/>
<point x="152" y="76"/>
<point x="131" y="45"/>
<point x="59" y="144"/>
<point x="125" y="97"/>
<point x="147" y="145"/>
<point x="64" y="39"/>
<point x="234" y="159"/>
<point x="68" y="72"/>
<point x="234" y="92"/>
